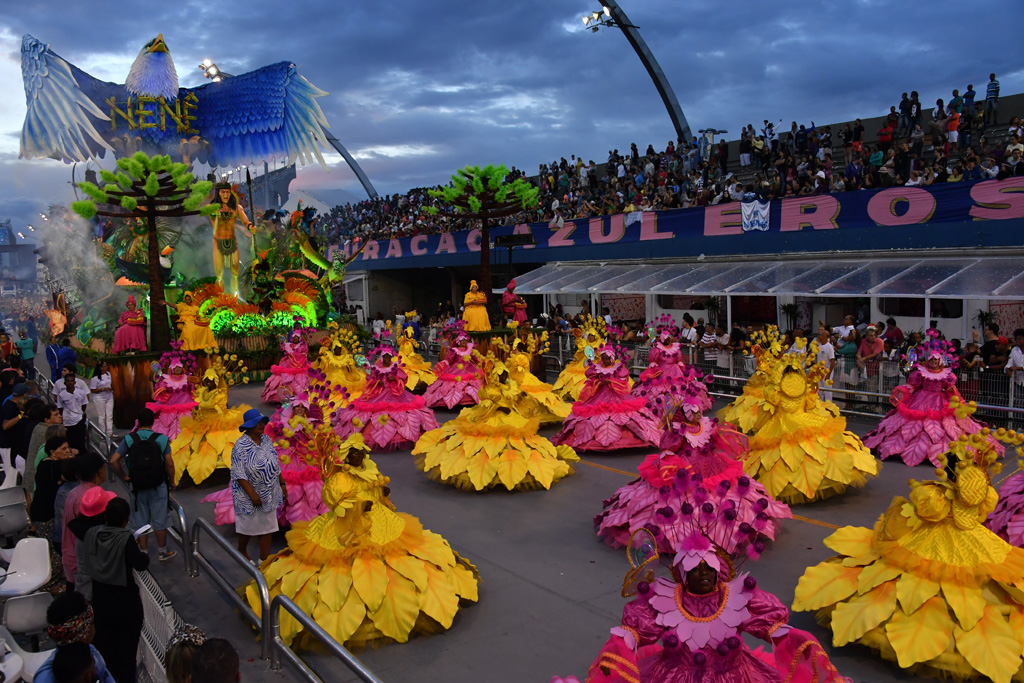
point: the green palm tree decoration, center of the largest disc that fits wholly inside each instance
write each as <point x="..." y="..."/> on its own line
<point x="483" y="193"/>
<point x="150" y="188"/>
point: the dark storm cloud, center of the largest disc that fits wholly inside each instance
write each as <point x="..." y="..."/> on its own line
<point x="419" y="89"/>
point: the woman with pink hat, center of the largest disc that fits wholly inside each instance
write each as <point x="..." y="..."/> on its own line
<point x="94" y="504"/>
<point x="131" y="330"/>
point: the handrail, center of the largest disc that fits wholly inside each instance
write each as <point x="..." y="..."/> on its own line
<point x="181" y="538"/>
<point x="326" y="639"/>
<point x="262" y="621"/>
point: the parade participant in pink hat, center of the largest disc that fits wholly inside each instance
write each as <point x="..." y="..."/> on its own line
<point x="131" y="329"/>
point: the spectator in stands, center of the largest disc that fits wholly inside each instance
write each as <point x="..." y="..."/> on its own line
<point x="1015" y="366"/>
<point x="215" y="662"/>
<point x="48" y="477"/>
<point x="27" y="352"/>
<point x="71" y="625"/>
<point x="53" y="358"/>
<point x="94" y="505"/>
<point x="827" y="355"/>
<point x="903" y="127"/>
<point x="991" y="335"/>
<point x="708" y="343"/>
<point x="892" y="332"/>
<point x="40" y="416"/>
<point x="12" y="426"/>
<point x="111" y="556"/>
<point x="92" y="472"/>
<point x="991" y="100"/>
<point x="181" y="650"/>
<point x="868" y="353"/>
<point x="65" y="354"/>
<point x="687" y="333"/>
<point x="724" y="357"/>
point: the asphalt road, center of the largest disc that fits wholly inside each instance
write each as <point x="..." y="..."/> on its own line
<point x="549" y="589"/>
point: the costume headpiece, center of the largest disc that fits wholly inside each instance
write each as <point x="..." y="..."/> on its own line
<point x="74" y="630"/>
<point x="187" y="633"/>
<point x="511" y="284"/>
<point x="131" y="299"/>
<point x="223" y="186"/>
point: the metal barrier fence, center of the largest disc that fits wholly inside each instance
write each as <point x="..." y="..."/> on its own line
<point x="283" y="602"/>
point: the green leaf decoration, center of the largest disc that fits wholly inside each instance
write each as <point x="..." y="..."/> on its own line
<point x="85" y="208"/>
<point x="129" y="203"/>
<point x="107" y="176"/>
<point x="209" y="209"/>
<point x="202" y="187"/>
<point x="123" y="180"/>
<point x="95" y="193"/>
<point x="152" y="186"/>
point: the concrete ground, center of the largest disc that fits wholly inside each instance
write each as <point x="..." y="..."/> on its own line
<point x="549" y="589"/>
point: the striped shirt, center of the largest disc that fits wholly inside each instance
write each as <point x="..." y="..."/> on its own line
<point x="257" y="464"/>
<point x="992" y="91"/>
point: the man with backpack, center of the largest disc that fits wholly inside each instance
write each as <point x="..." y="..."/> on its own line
<point x="143" y="460"/>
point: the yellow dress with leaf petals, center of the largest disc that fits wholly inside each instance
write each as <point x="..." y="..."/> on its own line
<point x="494" y="443"/>
<point x="550" y="408"/>
<point x="803" y="451"/>
<point x="419" y="370"/>
<point x="750" y="410"/>
<point x="929" y="587"/>
<point x="339" y="366"/>
<point x="362" y="570"/>
<point x="207" y="435"/>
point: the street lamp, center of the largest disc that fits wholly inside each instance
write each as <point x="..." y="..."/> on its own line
<point x="612" y="16"/>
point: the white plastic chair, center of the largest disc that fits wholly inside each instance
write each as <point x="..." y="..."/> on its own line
<point x="26" y="614"/>
<point x="30" y="568"/>
<point x="32" y="661"/>
<point x="13" y="519"/>
<point x="12" y="496"/>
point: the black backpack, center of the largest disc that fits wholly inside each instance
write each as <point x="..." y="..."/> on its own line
<point x="145" y="462"/>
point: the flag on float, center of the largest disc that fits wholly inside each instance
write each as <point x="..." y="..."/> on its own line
<point x="756" y="216"/>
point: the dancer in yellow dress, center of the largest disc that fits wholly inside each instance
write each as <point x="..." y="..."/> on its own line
<point x="364" y="571"/>
<point x="195" y="333"/>
<point x="749" y="411"/>
<point x="803" y="451"/>
<point x="475" y="309"/>
<point x="340" y="365"/>
<point x="420" y="373"/>
<point x="208" y="434"/>
<point x="494" y="443"/>
<point x="930" y="587"/>
<point x="574" y="375"/>
<point x="553" y="410"/>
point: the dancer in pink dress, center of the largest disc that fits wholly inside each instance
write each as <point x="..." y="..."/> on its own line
<point x="668" y="376"/>
<point x="606" y="417"/>
<point x="291" y="376"/>
<point x="131" y="330"/>
<point x="459" y="378"/>
<point x="389" y="416"/>
<point x="689" y="628"/>
<point x="172" y="397"/>
<point x="925" y="419"/>
<point x="292" y="429"/>
<point x="701" y="462"/>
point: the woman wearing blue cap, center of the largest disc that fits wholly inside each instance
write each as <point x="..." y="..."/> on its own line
<point x="256" y="486"/>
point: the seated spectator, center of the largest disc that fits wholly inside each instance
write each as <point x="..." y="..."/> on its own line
<point x="71" y="623"/>
<point x="181" y="650"/>
<point x="216" y="661"/>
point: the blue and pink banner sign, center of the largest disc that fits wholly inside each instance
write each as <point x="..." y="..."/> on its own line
<point x="987" y="213"/>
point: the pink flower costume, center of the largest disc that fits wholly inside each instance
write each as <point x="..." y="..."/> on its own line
<point x="606" y="417"/>
<point x="701" y="463"/>
<point x="292" y="429"/>
<point x="291" y="376"/>
<point x="131" y="330"/>
<point x="459" y="378"/>
<point x="667" y="378"/>
<point x="389" y="416"/>
<point x="172" y="397"/>
<point x="924" y="420"/>
<point x="669" y="634"/>
<point x="1007" y="520"/>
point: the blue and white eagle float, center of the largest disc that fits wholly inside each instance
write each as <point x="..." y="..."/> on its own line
<point x="267" y="113"/>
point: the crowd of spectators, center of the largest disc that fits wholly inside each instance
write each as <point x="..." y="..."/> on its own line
<point x="911" y="149"/>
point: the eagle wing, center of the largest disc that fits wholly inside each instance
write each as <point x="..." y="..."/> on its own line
<point x="269" y="112"/>
<point x="62" y="106"/>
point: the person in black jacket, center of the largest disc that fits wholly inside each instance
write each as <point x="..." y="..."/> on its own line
<point x="111" y="555"/>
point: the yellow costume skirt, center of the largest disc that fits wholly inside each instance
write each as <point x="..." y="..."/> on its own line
<point x="204" y="442"/>
<point x="553" y="409"/>
<point x="420" y="373"/>
<point x="807" y="456"/>
<point x="939" y="600"/>
<point x="503" y="450"/>
<point x="350" y="378"/>
<point x="570" y="381"/>
<point x="385" y="579"/>
<point x="749" y="411"/>
<point x="196" y="337"/>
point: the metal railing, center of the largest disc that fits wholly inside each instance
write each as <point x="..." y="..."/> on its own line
<point x="326" y="639"/>
<point x="261" y="621"/>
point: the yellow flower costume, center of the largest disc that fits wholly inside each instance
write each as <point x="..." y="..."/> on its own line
<point x="364" y="571"/>
<point x="208" y="434"/>
<point x="552" y="409"/>
<point x="195" y="333"/>
<point x="494" y="443"/>
<point x="475" y="310"/>
<point x="573" y="376"/>
<point x="929" y="587"/>
<point x="803" y="451"/>
<point x="419" y="371"/>
<point x="750" y="411"/>
<point x="338" y="367"/>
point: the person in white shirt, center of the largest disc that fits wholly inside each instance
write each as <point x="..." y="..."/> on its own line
<point x="72" y="398"/>
<point x="826" y="355"/>
<point x="687" y="334"/>
<point x="1015" y="367"/>
<point x="102" y="394"/>
<point x="724" y="360"/>
<point x="709" y="342"/>
<point x="607" y="315"/>
<point x="845" y="331"/>
<point x="378" y="325"/>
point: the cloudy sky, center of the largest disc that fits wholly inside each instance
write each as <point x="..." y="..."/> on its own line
<point x="418" y="89"/>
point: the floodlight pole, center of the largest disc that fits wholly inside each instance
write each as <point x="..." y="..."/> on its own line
<point x="353" y="164"/>
<point x="619" y="19"/>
